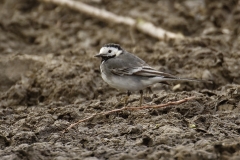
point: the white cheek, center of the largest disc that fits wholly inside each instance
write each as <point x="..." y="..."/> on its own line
<point x="118" y="53"/>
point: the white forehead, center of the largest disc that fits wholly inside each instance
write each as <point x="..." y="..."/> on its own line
<point x="106" y="49"/>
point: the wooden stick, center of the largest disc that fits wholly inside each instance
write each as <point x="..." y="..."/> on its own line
<point x="127" y="108"/>
<point x="141" y="25"/>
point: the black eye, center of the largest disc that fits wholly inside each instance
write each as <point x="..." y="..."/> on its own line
<point x="109" y="51"/>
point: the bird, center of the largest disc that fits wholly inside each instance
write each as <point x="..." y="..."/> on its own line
<point x="127" y="72"/>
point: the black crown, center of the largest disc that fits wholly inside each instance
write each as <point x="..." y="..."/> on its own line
<point x="113" y="45"/>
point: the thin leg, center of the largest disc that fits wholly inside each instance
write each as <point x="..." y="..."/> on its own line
<point x="126" y="98"/>
<point x="149" y="91"/>
<point x="141" y="93"/>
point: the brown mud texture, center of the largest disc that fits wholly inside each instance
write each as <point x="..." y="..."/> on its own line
<point x="49" y="78"/>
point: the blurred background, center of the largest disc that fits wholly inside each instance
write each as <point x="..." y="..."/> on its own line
<point x="52" y="47"/>
<point x="46" y="53"/>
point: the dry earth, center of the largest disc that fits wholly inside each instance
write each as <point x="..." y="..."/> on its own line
<point x="50" y="79"/>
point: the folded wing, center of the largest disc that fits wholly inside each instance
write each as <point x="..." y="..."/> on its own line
<point x="146" y="71"/>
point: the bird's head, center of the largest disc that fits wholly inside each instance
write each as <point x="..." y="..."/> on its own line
<point x="110" y="51"/>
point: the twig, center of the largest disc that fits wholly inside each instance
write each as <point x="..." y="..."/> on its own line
<point x="141" y="25"/>
<point x="127" y="108"/>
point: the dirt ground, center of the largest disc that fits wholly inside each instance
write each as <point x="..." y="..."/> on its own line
<point x="49" y="79"/>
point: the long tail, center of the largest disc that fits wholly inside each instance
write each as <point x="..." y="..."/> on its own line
<point x="185" y="80"/>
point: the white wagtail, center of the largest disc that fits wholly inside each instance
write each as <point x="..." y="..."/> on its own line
<point x="125" y="71"/>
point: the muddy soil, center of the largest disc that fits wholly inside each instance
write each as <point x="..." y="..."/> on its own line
<point x="50" y="79"/>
